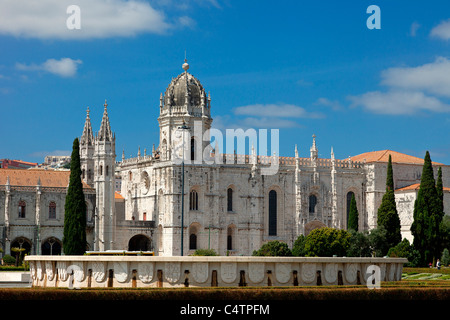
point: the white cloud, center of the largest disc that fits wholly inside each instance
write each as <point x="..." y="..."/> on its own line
<point x="334" y="105"/>
<point x="46" y="19"/>
<point x="42" y="154"/>
<point x="65" y="67"/>
<point x="414" y="27"/>
<point x="411" y="90"/>
<point x="275" y="110"/>
<point x="268" y="122"/>
<point x="264" y="116"/>
<point x="186" y="21"/>
<point x="397" y="102"/>
<point x="442" y="30"/>
<point x="432" y="77"/>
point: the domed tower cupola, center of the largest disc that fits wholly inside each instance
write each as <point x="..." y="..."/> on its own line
<point x="184" y="103"/>
<point x="185" y="95"/>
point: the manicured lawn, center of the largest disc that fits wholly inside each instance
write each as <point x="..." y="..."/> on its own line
<point x="425" y="274"/>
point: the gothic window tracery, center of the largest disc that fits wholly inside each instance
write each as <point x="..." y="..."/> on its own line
<point x="52" y="210"/>
<point x="312" y="203"/>
<point x="193" y="200"/>
<point x="229" y="199"/>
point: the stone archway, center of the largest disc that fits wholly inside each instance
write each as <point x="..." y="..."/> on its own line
<point x="51" y="246"/>
<point x="22" y="243"/>
<point x="310" y="226"/>
<point x="140" y="242"/>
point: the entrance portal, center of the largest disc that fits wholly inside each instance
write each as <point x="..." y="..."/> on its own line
<point x="140" y="242"/>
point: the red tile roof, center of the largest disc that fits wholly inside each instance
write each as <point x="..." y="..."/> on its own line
<point x="383" y="156"/>
<point x="49" y="178"/>
<point x="416" y="186"/>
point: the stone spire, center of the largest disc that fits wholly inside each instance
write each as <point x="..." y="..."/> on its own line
<point x="334" y="216"/>
<point x="185" y="67"/>
<point x="88" y="137"/>
<point x="105" y="133"/>
<point x="313" y="149"/>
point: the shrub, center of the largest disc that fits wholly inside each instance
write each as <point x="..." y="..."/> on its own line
<point x="326" y="242"/>
<point x="273" y="248"/>
<point x="205" y="252"/>
<point x="405" y="250"/>
<point x="9" y="260"/>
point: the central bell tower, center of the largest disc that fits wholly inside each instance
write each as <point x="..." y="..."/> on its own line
<point x="184" y="104"/>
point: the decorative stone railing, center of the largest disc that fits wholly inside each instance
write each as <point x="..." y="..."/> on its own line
<point x="154" y="271"/>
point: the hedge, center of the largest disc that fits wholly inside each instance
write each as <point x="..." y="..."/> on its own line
<point x="406" y="292"/>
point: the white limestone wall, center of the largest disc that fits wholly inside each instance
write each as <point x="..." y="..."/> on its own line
<point x="144" y="271"/>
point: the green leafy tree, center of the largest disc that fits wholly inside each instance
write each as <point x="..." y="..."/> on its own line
<point x="359" y="244"/>
<point x="298" y="249"/>
<point x="427" y="225"/>
<point x="273" y="248"/>
<point x="405" y="250"/>
<point x="377" y="241"/>
<point x="387" y="212"/>
<point x="353" y="215"/>
<point x="74" y="240"/>
<point x="326" y="242"/>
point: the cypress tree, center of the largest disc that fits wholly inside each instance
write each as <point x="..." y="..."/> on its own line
<point x="387" y="212"/>
<point x="353" y="215"/>
<point x="440" y="192"/>
<point x="389" y="175"/>
<point x="427" y="216"/>
<point x="74" y="240"/>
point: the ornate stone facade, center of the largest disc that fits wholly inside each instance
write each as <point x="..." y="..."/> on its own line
<point x="230" y="203"/>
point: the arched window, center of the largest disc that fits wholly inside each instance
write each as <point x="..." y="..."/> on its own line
<point x="349" y="200"/>
<point x="193" y="241"/>
<point x="22" y="206"/>
<point x="51" y="246"/>
<point x="193" y="200"/>
<point x="52" y="210"/>
<point x="272" y="213"/>
<point x="192" y="238"/>
<point x="229" y="199"/>
<point x="107" y="170"/>
<point x="192" y="148"/>
<point x="312" y="203"/>
<point x="230" y="232"/>
<point x="100" y="170"/>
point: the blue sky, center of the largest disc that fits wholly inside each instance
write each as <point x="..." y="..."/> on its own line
<point x="303" y="67"/>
